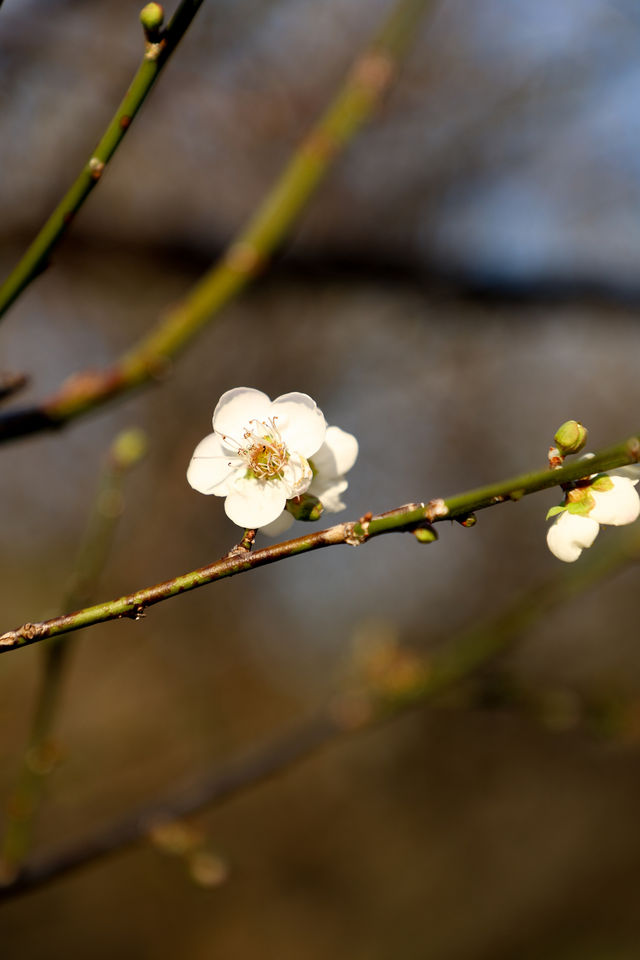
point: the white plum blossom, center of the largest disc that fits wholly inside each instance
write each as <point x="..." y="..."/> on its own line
<point x="257" y="455"/>
<point x="262" y="453"/>
<point x="611" y="500"/>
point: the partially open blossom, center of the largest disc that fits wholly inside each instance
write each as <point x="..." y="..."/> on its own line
<point x="258" y="454"/>
<point x="611" y="500"/>
<point x="570" y="534"/>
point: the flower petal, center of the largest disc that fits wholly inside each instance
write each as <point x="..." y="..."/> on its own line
<point x="296" y="475"/>
<point x="300" y="422"/>
<point x="279" y="525"/>
<point x="618" y="506"/>
<point x="337" y="454"/>
<point x="237" y="408"/>
<point x="328" y="492"/>
<point x="254" y="503"/>
<point x="211" y="467"/>
<point x="570" y="534"/>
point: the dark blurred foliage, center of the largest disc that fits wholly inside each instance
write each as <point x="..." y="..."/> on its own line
<point x="464" y="282"/>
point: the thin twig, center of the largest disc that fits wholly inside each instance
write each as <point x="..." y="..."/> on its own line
<point x="394" y="693"/>
<point x="11" y="383"/>
<point x="248" y="254"/>
<point x="36" y="257"/>
<point x="41" y="753"/>
<point x="408" y="518"/>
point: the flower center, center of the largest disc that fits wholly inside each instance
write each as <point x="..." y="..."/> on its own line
<point x="264" y="451"/>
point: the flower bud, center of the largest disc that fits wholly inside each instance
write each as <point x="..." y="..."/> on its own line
<point x="570" y="437"/>
<point x="151" y="18"/>
<point x="305" y="507"/>
<point x="425" y="534"/>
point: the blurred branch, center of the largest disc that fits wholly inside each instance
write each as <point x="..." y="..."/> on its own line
<point x="247" y="255"/>
<point x="406" y="682"/>
<point x="36" y="258"/>
<point x="41" y="753"/>
<point x="413" y="517"/>
<point x="11" y="383"/>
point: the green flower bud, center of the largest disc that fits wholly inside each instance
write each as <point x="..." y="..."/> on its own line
<point x="305" y="507"/>
<point x="151" y="18"/>
<point x="570" y="437"/>
<point x="425" y="534"/>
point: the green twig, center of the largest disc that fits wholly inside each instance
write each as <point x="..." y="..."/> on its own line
<point x="461" y="658"/>
<point x="41" y="754"/>
<point x="247" y="255"/>
<point x="408" y="518"/>
<point x="156" y="55"/>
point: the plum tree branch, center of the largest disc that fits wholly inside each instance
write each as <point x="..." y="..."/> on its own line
<point x="36" y="257"/>
<point x="246" y="256"/>
<point x="413" y="517"/>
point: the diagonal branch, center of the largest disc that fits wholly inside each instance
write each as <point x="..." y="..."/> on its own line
<point x="36" y="257"/>
<point x="412" y="517"/>
<point x="465" y="654"/>
<point x="246" y="256"/>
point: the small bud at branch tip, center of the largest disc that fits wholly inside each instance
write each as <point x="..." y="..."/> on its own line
<point x="151" y="18"/>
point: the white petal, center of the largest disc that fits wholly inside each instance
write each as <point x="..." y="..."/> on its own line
<point x="300" y="422"/>
<point x="254" y="503"/>
<point x="570" y="534"/>
<point x="328" y="492"/>
<point x="618" y="506"/>
<point x="237" y="408"/>
<point x="337" y="454"/>
<point x="212" y="467"/>
<point x="279" y="525"/>
<point x="296" y="476"/>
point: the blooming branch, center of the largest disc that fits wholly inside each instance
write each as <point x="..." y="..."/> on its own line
<point x="413" y="517"/>
<point x="607" y="499"/>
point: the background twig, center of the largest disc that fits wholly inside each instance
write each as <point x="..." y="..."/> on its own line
<point x="368" y="80"/>
<point x="403" y="685"/>
<point x="36" y="257"/>
<point x="41" y="753"/>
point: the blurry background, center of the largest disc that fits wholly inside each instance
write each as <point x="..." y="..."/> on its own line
<point x="466" y="280"/>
